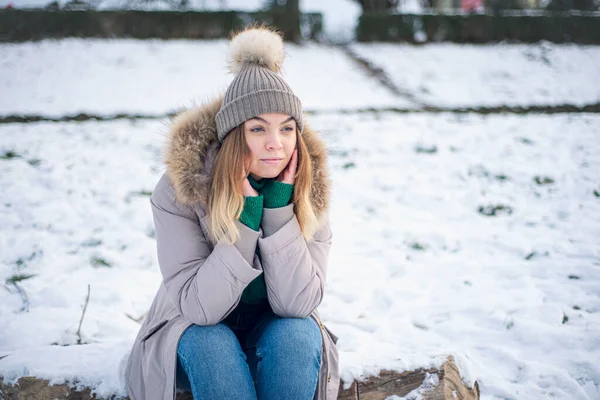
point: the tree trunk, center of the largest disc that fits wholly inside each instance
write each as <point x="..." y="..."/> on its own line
<point x="388" y="383"/>
<point x="374" y="5"/>
<point x="290" y="20"/>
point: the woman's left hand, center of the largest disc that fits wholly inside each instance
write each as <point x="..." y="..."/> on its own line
<point x="288" y="175"/>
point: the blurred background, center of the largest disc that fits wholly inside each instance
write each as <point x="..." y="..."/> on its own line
<point x="337" y="21"/>
<point x="464" y="148"/>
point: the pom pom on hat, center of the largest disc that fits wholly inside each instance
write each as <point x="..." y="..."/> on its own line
<point x="258" y="45"/>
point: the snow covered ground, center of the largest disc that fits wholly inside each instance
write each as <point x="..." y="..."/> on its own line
<point x="476" y="236"/>
<point x="417" y="270"/>
<point x="451" y="75"/>
<point x="66" y="77"/>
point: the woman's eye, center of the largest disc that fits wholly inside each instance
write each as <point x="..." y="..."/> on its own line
<point x="257" y="129"/>
<point x="288" y="129"/>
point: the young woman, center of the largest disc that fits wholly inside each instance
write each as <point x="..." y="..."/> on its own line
<point x="243" y="238"/>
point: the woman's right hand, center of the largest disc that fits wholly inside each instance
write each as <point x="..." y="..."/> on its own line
<point x="247" y="189"/>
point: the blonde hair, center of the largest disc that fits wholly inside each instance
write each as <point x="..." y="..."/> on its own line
<point x="226" y="200"/>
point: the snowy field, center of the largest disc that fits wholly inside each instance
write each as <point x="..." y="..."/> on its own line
<point x="450" y="75"/>
<point x="453" y="234"/>
<point x="67" y="77"/>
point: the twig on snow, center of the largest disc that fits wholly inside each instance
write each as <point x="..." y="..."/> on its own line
<point x="21" y="291"/>
<point x="139" y="319"/>
<point x="87" y="300"/>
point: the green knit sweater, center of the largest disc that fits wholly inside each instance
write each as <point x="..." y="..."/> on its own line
<point x="272" y="194"/>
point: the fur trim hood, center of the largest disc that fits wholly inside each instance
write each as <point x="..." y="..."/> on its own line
<point x="193" y="144"/>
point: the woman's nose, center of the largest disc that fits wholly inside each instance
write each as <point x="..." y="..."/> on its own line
<point x="274" y="142"/>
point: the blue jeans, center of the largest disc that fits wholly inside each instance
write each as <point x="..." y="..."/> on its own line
<point x="274" y="359"/>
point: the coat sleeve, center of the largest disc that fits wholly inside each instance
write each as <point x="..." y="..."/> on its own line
<point x="204" y="285"/>
<point x="295" y="270"/>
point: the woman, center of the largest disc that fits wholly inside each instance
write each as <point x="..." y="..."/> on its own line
<point x="243" y="240"/>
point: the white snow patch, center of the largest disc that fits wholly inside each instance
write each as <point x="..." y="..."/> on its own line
<point x="108" y="77"/>
<point x="452" y="75"/>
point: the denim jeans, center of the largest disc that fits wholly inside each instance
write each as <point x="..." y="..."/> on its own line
<point x="272" y="358"/>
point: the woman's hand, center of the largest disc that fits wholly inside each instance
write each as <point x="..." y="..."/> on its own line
<point x="247" y="189"/>
<point x="288" y="175"/>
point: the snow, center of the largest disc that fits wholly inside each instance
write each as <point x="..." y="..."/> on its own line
<point x="471" y="292"/>
<point x="66" y="77"/>
<point x="451" y="75"/>
<point x="340" y="17"/>
<point x="410" y="7"/>
<point x="430" y="382"/>
<point x="416" y="273"/>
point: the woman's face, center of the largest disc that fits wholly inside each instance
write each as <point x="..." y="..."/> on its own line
<point x="272" y="140"/>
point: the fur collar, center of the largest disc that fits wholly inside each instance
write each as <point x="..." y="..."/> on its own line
<point x="192" y="147"/>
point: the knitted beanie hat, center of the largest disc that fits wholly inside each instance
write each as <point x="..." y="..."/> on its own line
<point x="256" y="56"/>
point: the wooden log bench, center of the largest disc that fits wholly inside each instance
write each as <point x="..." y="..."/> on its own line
<point x="387" y="383"/>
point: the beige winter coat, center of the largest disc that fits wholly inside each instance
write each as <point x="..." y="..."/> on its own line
<point x="203" y="280"/>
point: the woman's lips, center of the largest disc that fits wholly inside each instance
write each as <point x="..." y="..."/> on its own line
<point x="272" y="161"/>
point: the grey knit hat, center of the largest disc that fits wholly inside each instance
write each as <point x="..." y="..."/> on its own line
<point x="256" y="55"/>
